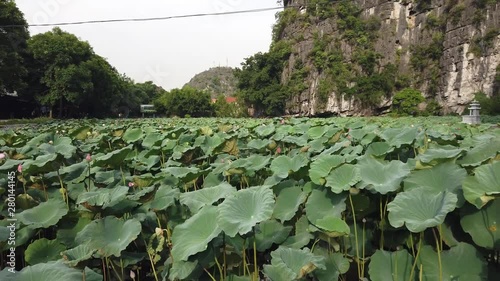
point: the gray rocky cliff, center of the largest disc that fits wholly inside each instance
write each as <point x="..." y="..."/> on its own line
<point x="464" y="33"/>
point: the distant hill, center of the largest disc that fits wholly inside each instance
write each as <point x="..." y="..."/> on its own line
<point x="216" y="80"/>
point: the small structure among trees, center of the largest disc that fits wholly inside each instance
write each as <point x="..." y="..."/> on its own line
<point x="473" y="117"/>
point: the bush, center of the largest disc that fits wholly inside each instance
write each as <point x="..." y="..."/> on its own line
<point x="406" y="101"/>
<point x="489" y="106"/>
<point x="185" y="102"/>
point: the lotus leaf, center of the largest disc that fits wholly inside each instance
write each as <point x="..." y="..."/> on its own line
<point x="195" y="233"/>
<point x="321" y="167"/>
<point x="49" y="271"/>
<point x="195" y="200"/>
<point x="343" y="178"/>
<point x="240" y="212"/>
<point x="288" y="201"/>
<point x="335" y="264"/>
<point x="323" y="203"/>
<point x="385" y="266"/>
<point x="110" y="235"/>
<point x="462" y="262"/>
<point x="484" y="185"/>
<point x="270" y="232"/>
<point x="43" y="250"/>
<point x="300" y="262"/>
<point x="420" y="208"/>
<point x="44" y="215"/>
<point x="483" y="224"/>
<point x="132" y="135"/>
<point x="283" y="165"/>
<point x="103" y="197"/>
<point x="78" y="254"/>
<point x="380" y="176"/>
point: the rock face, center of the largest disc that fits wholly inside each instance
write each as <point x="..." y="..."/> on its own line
<point x="465" y="34"/>
<point x="217" y="81"/>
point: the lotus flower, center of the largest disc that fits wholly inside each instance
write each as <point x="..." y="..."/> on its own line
<point x="132" y="275"/>
<point x="131" y="184"/>
<point x="278" y="150"/>
<point x="20" y="168"/>
<point x="2" y="156"/>
<point x="88" y="158"/>
<point x="282" y="121"/>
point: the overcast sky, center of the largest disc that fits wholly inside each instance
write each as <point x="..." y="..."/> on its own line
<point x="168" y="52"/>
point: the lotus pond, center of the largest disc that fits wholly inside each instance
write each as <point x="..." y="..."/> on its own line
<point x="245" y="199"/>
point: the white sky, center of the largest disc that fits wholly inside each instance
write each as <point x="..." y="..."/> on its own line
<point x="168" y="52"/>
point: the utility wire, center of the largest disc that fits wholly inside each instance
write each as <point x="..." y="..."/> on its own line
<point x="150" y="19"/>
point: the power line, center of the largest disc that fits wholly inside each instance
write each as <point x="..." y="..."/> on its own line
<point x="148" y="19"/>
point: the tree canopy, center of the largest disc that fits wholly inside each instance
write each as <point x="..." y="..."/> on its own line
<point x="12" y="47"/>
<point x="183" y="102"/>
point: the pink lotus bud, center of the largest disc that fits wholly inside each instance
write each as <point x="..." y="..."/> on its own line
<point x="278" y="150"/>
<point x="2" y="156"/>
<point x="282" y="121"/>
<point x="131" y="184"/>
<point x="132" y="275"/>
<point x="20" y="168"/>
<point x="88" y="158"/>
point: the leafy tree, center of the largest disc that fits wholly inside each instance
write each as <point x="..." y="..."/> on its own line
<point x="12" y="47"/>
<point x="259" y="80"/>
<point x="185" y="101"/>
<point x="489" y="105"/>
<point x="406" y="101"/>
<point x="62" y="59"/>
<point x="223" y="108"/>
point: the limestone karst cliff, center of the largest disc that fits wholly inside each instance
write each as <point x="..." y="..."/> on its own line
<point x="353" y="56"/>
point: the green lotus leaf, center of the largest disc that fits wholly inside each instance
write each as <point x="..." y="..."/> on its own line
<point x="343" y="178"/>
<point x="299" y="262"/>
<point x="67" y="235"/>
<point x="317" y="132"/>
<point x="239" y="278"/>
<point x="103" y="197"/>
<point x="483" y="225"/>
<point x="258" y="143"/>
<point x="10" y="165"/>
<point x="75" y="173"/>
<point x="42" y="164"/>
<point x="209" y="144"/>
<point x="165" y="197"/>
<point x="379" y="149"/>
<point x="399" y="136"/>
<point x="251" y="164"/>
<point x="334" y="227"/>
<point x="44" y="215"/>
<point x="110" y="235"/>
<point x="445" y="176"/>
<point x="195" y="200"/>
<point x="298" y="241"/>
<point x="270" y="232"/>
<point x="441" y="152"/>
<point x="481" y="152"/>
<point x="78" y="254"/>
<point x="4" y="233"/>
<point x="288" y="201"/>
<point x="299" y="141"/>
<point x="381" y="176"/>
<point x="141" y="193"/>
<point x="265" y="130"/>
<point x="50" y="271"/>
<point x="323" y="203"/>
<point x="91" y="275"/>
<point x="244" y="209"/>
<point x="336" y="264"/>
<point x="182" y="270"/>
<point x="420" y="208"/>
<point x="152" y="139"/>
<point x="80" y="133"/>
<point x="132" y="135"/>
<point x="385" y="266"/>
<point x="23" y="235"/>
<point x="195" y="233"/>
<point x="283" y="165"/>
<point x="484" y="185"/>
<point x="43" y="250"/>
<point x="462" y="262"/>
<point x="279" y="272"/>
<point x="321" y="167"/>
<point x="187" y="173"/>
<point x="114" y="158"/>
<point x="108" y="177"/>
<point x="61" y="146"/>
<point x="8" y="274"/>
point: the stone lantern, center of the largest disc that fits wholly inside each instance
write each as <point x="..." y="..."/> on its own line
<point x="473" y="117"/>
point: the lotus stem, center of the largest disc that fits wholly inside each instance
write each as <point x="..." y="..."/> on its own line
<point x="218" y="265"/>
<point x="416" y="258"/>
<point x="363" y="251"/>
<point x="438" y="248"/>
<point x="103" y="269"/>
<point x="123" y="176"/>
<point x="255" y="268"/>
<point x="355" y="235"/>
<point x="211" y="276"/>
<point x="153" y="265"/>
<point x="114" y="269"/>
<point x="316" y="242"/>
<point x="224" y="254"/>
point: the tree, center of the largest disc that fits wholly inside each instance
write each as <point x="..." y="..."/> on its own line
<point x="62" y="59"/>
<point x="12" y="47"/>
<point x="223" y="108"/>
<point x="185" y="101"/>
<point x="259" y="80"/>
<point x="406" y="102"/>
